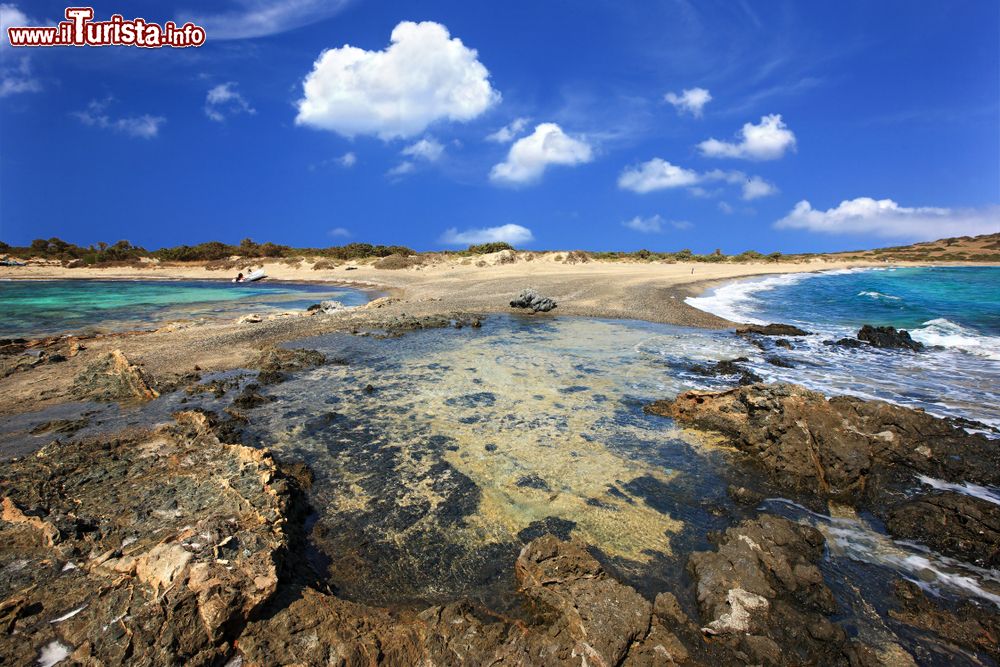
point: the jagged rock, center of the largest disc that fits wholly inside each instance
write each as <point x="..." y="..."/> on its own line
<point x="330" y="306"/>
<point x="951" y="523"/>
<point x="534" y="301"/>
<point x="252" y="318"/>
<point x="867" y="454"/>
<point x="888" y="337"/>
<point x="762" y="594"/>
<point x="150" y="548"/>
<point x="112" y="377"/>
<point x="966" y="624"/>
<point x="771" y="330"/>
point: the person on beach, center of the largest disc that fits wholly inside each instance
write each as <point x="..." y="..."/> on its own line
<point x="239" y="277"/>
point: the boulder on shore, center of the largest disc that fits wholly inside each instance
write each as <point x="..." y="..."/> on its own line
<point x="534" y="301"/>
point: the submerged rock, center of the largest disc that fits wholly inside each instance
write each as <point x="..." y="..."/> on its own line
<point x="728" y="367"/>
<point x="951" y="523"/>
<point x="113" y="377"/>
<point x="888" y="337"/>
<point x="534" y="301"/>
<point x="275" y="362"/>
<point x="771" y="330"/>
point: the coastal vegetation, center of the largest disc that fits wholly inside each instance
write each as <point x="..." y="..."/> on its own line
<point x="224" y="256"/>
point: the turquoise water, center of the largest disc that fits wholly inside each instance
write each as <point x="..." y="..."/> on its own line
<point x="955" y="311"/>
<point x="36" y="308"/>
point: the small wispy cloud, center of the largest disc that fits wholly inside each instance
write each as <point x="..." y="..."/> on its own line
<point x="654" y="224"/>
<point x="225" y="100"/>
<point x="509" y="132"/>
<point x="96" y="114"/>
<point x="339" y="232"/>
<point x="509" y="233"/>
<point x="658" y="174"/>
<point x="245" y="19"/>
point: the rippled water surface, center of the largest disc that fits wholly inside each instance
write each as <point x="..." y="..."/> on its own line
<point x="35" y="308"/>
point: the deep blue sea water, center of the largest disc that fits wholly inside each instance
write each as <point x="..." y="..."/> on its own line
<point x="34" y="308"/>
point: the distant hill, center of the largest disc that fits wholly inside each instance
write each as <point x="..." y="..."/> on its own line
<point x="985" y="248"/>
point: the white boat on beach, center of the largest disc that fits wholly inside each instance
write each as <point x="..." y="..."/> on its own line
<point x="250" y="277"/>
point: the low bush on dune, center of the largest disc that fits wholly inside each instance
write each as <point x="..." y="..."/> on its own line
<point x="393" y="262"/>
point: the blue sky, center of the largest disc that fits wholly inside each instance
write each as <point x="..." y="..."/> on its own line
<point x="789" y="126"/>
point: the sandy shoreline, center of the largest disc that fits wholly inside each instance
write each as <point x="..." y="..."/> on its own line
<point x="653" y="292"/>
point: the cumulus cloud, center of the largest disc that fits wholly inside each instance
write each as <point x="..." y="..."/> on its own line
<point x="531" y="155"/>
<point x="756" y="187"/>
<point x="96" y="115"/>
<point x="348" y="159"/>
<point x="656" y="174"/>
<point x="768" y="140"/>
<point x="886" y="218"/>
<point x="423" y="76"/>
<point x="258" y="18"/>
<point x="691" y="101"/>
<point x="225" y="100"/>
<point x="509" y="233"/>
<point x="339" y="232"/>
<point x="654" y="224"/>
<point x="507" y="133"/>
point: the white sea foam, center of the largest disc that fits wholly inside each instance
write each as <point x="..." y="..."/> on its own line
<point x="878" y="295"/>
<point x="966" y="488"/>
<point x="52" y="654"/>
<point x="736" y="301"/>
<point x="946" y="333"/>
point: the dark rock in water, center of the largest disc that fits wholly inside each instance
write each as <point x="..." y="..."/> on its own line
<point x="954" y="524"/>
<point x="888" y="337"/>
<point x="534" y="301"/>
<point x="852" y="343"/>
<point x="550" y="525"/>
<point x="532" y="482"/>
<point x="771" y="330"/>
<point x="864" y="453"/>
<point x="728" y="367"/>
<point x="784" y="342"/>
<point x="966" y="624"/>
<point x="313" y="308"/>
<point x="369" y="389"/>
<point x="762" y="594"/>
<point x="775" y="360"/>
<point x="251" y="397"/>
<point x="745" y="496"/>
<point x="113" y="377"/>
<point x="274" y="362"/>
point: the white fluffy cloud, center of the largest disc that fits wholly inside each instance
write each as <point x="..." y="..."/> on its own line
<point x="768" y="140"/>
<point x="507" y="133"/>
<point x="225" y="100"/>
<point x="423" y="76"/>
<point x="656" y="174"/>
<point x="884" y="217"/>
<point x="142" y="127"/>
<point x="654" y="224"/>
<point x="691" y="101"/>
<point x="756" y="187"/>
<point x="509" y="233"/>
<point x="530" y="155"/>
<point x="348" y="160"/>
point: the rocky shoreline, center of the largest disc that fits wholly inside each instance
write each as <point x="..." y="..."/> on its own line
<point x="179" y="544"/>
